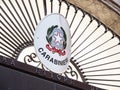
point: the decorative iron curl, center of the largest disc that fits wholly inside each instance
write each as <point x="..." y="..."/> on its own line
<point x="71" y="72"/>
<point x="31" y="58"/>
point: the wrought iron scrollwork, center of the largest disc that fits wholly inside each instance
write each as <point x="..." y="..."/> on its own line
<point x="33" y="58"/>
<point x="93" y="44"/>
<point x="70" y="72"/>
<point x="30" y="58"/>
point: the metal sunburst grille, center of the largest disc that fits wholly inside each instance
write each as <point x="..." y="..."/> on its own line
<point x="95" y="48"/>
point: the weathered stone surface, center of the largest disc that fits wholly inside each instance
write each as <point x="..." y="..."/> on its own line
<point x="102" y="12"/>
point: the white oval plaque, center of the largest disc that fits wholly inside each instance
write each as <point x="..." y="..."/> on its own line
<point x="52" y="41"/>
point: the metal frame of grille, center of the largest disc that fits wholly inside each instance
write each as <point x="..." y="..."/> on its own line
<point x="93" y="44"/>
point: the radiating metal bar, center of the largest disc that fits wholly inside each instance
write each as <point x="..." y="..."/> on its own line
<point x="33" y="13"/>
<point x="91" y="43"/>
<point x="81" y="35"/>
<point x="103" y="80"/>
<point x="14" y="25"/>
<point x="68" y="8"/>
<point x="103" y="75"/>
<point x="5" y="54"/>
<point x="25" y="18"/>
<point x="45" y="7"/>
<point x="76" y="10"/>
<point x="102" y="58"/>
<point x="94" y="66"/>
<point x="24" y="38"/>
<point x="97" y="54"/>
<point x="7" y="46"/>
<point x="101" y="70"/>
<point x="21" y="21"/>
<point x="28" y="14"/>
<point x="7" y="51"/>
<point x="104" y="84"/>
<point x="38" y="9"/>
<point x="13" y="46"/>
<point x="86" y="39"/>
<point x="78" y="26"/>
<point x="92" y="49"/>
<point x="9" y="34"/>
<point x="60" y="3"/>
<point x="51" y="6"/>
<point x="10" y="26"/>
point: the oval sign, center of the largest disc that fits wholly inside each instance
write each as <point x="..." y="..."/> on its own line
<point x="52" y="41"/>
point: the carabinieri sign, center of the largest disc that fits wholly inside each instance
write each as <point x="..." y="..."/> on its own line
<point x="52" y="41"/>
